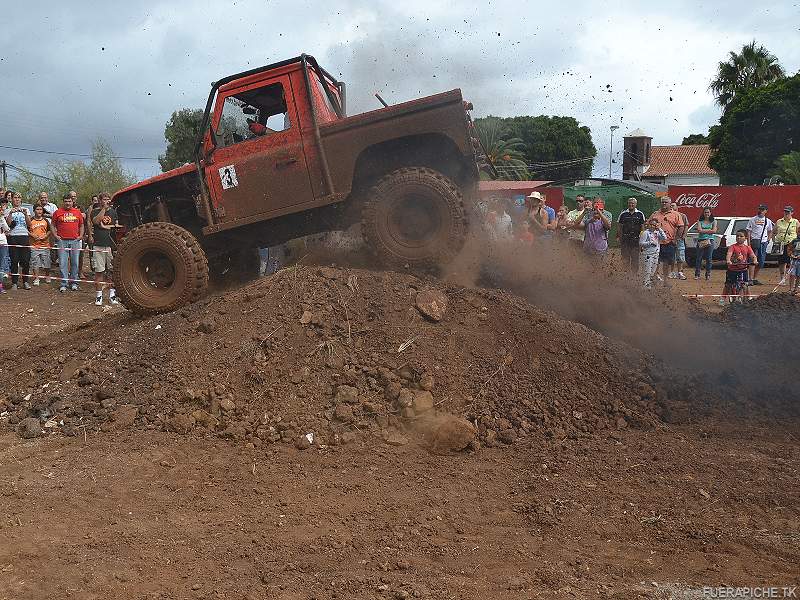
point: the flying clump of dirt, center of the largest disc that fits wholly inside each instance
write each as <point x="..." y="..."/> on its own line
<point x="320" y="355"/>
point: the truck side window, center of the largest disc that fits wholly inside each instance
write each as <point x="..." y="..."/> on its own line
<point x="252" y="114"/>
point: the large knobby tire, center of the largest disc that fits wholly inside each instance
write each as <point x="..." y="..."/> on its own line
<point x="158" y="268"/>
<point x="414" y="216"/>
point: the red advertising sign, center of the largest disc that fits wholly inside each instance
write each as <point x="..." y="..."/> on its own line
<point x="733" y="200"/>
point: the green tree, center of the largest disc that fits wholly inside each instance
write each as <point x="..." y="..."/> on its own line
<point x="787" y="167"/>
<point x="694" y="139"/>
<point x="102" y="173"/>
<point x="556" y="147"/>
<point x="181" y="133"/>
<point x="29" y="185"/>
<point x="758" y="126"/>
<point x="505" y="153"/>
<point x="754" y="66"/>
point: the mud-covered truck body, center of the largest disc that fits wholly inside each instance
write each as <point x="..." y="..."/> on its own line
<point x="279" y="159"/>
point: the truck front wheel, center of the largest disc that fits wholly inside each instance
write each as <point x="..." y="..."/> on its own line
<point x="158" y="268"/>
<point x="414" y="216"/>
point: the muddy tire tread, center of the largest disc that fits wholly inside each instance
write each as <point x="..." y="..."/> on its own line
<point x="163" y="232"/>
<point x="415" y="175"/>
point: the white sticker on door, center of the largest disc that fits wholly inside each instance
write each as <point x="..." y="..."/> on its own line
<point x="227" y="175"/>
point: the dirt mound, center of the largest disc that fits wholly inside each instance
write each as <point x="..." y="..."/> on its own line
<point x="782" y="303"/>
<point x="768" y="323"/>
<point x="322" y="355"/>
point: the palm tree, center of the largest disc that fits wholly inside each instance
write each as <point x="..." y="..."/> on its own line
<point x="788" y="168"/>
<point x="754" y="66"/>
<point x="506" y="154"/>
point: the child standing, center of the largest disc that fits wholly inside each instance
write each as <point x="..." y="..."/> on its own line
<point x="40" y="244"/>
<point x="649" y="243"/>
<point x="740" y="256"/>
<point x="794" y="266"/>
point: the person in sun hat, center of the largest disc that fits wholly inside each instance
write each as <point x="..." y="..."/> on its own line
<point x="541" y="218"/>
<point x="783" y="234"/>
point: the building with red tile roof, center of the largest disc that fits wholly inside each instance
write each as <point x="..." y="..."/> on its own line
<point x="666" y="165"/>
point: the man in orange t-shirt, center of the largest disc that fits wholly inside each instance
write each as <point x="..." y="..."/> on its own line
<point x="39" y="239"/>
<point x="671" y="224"/>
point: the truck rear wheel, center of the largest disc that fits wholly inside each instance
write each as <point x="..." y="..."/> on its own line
<point x="158" y="268"/>
<point x="414" y="216"/>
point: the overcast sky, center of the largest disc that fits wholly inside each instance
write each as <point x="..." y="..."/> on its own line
<point x="73" y="71"/>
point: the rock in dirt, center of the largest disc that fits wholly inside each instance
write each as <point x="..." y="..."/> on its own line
<point x="180" y="423"/>
<point x="29" y="428"/>
<point x="426" y="381"/>
<point x="328" y="273"/>
<point x="205" y="419"/>
<point x="103" y="393"/>
<point x="371" y="408"/>
<point x="448" y="433"/>
<point x="405" y="398"/>
<point x="306" y="317"/>
<point x="507" y="436"/>
<point x="392" y="390"/>
<point x="394" y="437"/>
<point x="207" y="325"/>
<point x="423" y="402"/>
<point x="343" y="413"/>
<point x="125" y="415"/>
<point x="347" y="393"/>
<point x="432" y="304"/>
<point x="227" y="405"/>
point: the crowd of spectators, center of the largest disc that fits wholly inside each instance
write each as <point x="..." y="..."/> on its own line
<point x="48" y="243"/>
<point x="45" y="243"/>
<point x="649" y="242"/>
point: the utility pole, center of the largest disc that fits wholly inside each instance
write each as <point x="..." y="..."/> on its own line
<point x="611" y="150"/>
<point x="5" y="176"/>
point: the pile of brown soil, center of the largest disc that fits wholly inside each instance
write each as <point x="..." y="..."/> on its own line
<point x="778" y="303"/>
<point x="336" y="354"/>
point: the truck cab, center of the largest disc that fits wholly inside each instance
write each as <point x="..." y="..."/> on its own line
<point x="259" y="159"/>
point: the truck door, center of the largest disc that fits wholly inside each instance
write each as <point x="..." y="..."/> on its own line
<point x="258" y="169"/>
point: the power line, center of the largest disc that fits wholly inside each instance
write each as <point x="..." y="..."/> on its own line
<point x="539" y="167"/>
<point x="21" y="170"/>
<point x="529" y="169"/>
<point x="74" y="153"/>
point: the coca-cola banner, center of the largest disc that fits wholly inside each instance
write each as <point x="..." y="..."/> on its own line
<point x="734" y="201"/>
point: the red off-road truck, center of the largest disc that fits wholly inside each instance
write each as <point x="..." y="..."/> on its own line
<point x="279" y="159"/>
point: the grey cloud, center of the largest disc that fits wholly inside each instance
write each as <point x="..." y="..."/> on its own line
<point x="61" y="89"/>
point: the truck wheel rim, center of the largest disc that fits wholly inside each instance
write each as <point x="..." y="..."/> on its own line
<point x="414" y="220"/>
<point x="155" y="275"/>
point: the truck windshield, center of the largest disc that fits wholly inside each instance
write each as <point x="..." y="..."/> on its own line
<point x="252" y="114"/>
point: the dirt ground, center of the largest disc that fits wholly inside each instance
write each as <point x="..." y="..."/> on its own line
<point x="41" y="311"/>
<point x="652" y="511"/>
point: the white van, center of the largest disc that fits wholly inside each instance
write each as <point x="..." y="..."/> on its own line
<point x="725" y="236"/>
